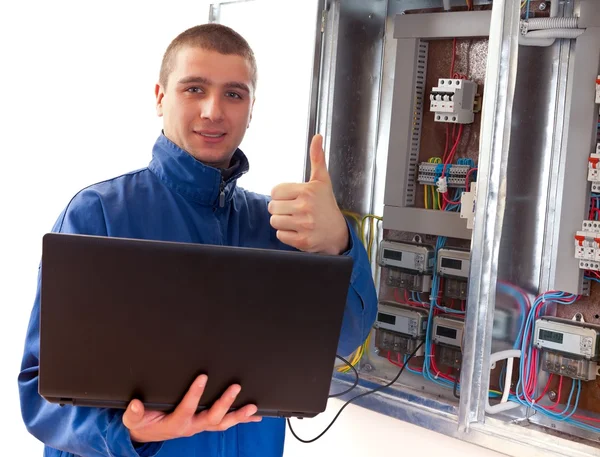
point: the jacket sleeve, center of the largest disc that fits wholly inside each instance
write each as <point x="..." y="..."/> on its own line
<point x="83" y="431"/>
<point x="361" y="304"/>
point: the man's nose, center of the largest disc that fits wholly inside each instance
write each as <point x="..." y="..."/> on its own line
<point x="212" y="109"/>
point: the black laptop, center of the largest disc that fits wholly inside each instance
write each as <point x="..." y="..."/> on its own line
<point x="124" y="318"/>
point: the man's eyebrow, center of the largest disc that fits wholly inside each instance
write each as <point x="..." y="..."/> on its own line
<point x="237" y="85"/>
<point x="208" y="82"/>
<point x="194" y="79"/>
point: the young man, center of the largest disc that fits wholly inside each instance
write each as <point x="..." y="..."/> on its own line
<point x="188" y="193"/>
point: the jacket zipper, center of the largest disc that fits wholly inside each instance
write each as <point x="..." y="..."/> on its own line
<point x="222" y="194"/>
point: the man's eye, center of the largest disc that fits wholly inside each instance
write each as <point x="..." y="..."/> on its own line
<point x="233" y="95"/>
<point x="195" y="90"/>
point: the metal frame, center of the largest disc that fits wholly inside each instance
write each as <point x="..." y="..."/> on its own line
<point x="578" y="141"/>
<point x="508" y="438"/>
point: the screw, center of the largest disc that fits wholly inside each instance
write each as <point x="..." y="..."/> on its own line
<point x="368" y="367"/>
<point x="552" y="395"/>
<point x="542" y="6"/>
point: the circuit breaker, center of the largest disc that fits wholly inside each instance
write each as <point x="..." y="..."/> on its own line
<point x="453" y="101"/>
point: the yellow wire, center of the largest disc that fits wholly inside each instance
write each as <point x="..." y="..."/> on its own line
<point x="368" y="243"/>
<point x="426" y="197"/>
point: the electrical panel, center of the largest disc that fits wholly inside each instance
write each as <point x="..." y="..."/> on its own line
<point x="402" y="319"/>
<point x="440" y="154"/>
<point x="569" y="348"/>
<point x="400" y="329"/>
<point x="453" y="101"/>
<point x="567" y="337"/>
<point x="448" y="331"/>
<point x="407" y="257"/>
<point x="453" y="263"/>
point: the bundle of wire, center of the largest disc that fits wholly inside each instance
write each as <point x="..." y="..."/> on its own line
<point x="367" y="239"/>
<point x="529" y="367"/>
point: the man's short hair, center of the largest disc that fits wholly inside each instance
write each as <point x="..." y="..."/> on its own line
<point x="210" y="37"/>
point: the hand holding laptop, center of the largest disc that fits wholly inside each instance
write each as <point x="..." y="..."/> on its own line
<point x="306" y="215"/>
<point x="150" y="426"/>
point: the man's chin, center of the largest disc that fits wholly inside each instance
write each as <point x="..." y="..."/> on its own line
<point x="212" y="158"/>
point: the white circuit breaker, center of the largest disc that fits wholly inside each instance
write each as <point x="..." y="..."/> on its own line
<point x="587" y="245"/>
<point x="453" y="101"/>
<point x="598" y="89"/>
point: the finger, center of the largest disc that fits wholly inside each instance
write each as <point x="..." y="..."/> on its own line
<point x="133" y="415"/>
<point x="287" y="191"/>
<point x="218" y="410"/>
<point x="287" y="223"/>
<point x="318" y="167"/>
<point x="282" y="207"/>
<point x="188" y="406"/>
<point x="293" y="239"/>
<point x="242" y="415"/>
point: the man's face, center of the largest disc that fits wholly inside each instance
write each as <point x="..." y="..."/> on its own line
<point x="207" y="105"/>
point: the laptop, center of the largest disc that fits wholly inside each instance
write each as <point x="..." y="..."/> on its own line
<point x="127" y="318"/>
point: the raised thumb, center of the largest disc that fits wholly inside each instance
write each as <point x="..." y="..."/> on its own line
<point x="318" y="167"/>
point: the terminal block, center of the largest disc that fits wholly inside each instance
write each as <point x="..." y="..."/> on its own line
<point x="456" y="175"/>
<point x="453" y="101"/>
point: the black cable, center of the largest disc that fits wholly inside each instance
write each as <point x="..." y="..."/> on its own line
<point x="355" y="378"/>
<point x="358" y="396"/>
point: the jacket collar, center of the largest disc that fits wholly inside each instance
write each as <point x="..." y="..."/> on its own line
<point x="189" y="177"/>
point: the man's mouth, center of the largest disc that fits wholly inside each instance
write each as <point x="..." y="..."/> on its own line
<point x="211" y="135"/>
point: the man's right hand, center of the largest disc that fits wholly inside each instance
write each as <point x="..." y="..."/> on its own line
<point x="151" y="426"/>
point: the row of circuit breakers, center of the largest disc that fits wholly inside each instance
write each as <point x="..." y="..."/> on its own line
<point x="569" y="347"/>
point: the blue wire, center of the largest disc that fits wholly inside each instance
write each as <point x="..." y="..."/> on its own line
<point x="565" y="415"/>
<point x="527" y="12"/>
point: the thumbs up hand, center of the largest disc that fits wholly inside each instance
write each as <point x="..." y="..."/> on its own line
<point x="306" y="215"/>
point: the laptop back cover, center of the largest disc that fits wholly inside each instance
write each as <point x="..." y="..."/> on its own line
<point x="123" y="319"/>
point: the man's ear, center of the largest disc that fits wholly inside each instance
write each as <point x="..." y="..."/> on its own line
<point x="159" y="93"/>
<point x="251" y="111"/>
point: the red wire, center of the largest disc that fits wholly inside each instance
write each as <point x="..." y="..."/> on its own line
<point x="453" y="57"/>
<point x="447" y="141"/>
<point x="545" y="388"/>
<point x="591" y="419"/>
<point x="436" y="369"/>
<point x="467" y="183"/>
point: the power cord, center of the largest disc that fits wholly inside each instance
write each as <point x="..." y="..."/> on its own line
<point x="355" y="378"/>
<point x="352" y="399"/>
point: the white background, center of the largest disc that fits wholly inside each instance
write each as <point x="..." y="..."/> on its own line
<point x="77" y="107"/>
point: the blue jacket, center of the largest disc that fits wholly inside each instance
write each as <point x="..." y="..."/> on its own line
<point x="176" y="198"/>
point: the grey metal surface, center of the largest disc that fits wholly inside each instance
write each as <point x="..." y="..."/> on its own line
<point x="489" y="214"/>
<point x="418" y="220"/>
<point x="578" y="142"/>
<point x="316" y="81"/>
<point x="560" y="54"/>
<point x="406" y="404"/>
<point x="349" y="105"/>
<point x="443" y="25"/>
<point x="589" y="14"/>
<point x="398" y="143"/>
